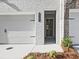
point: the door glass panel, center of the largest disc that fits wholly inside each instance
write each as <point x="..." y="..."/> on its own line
<point x="50" y="26"/>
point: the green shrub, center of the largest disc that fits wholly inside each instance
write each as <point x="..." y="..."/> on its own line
<point x="52" y="53"/>
<point x="67" y="42"/>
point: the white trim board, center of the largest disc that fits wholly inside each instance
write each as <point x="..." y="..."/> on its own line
<point x="17" y="13"/>
<point x="74" y="11"/>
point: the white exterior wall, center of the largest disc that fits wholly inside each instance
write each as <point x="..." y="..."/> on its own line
<point x="39" y="6"/>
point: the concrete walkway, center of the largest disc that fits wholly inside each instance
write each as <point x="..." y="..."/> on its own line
<point x="19" y="51"/>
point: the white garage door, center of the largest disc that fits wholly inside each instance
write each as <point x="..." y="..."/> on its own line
<point x="20" y="29"/>
<point x="74" y="26"/>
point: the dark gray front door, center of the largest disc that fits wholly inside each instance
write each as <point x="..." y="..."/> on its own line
<point x="50" y="26"/>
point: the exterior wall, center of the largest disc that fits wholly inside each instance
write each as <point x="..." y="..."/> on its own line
<point x="66" y="17"/>
<point x="38" y="6"/>
<point x="77" y="4"/>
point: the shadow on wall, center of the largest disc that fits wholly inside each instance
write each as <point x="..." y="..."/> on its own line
<point x="11" y="5"/>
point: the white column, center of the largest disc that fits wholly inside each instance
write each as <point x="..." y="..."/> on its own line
<point x="62" y="20"/>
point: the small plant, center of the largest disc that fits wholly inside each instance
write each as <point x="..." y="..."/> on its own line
<point x="67" y="42"/>
<point x="30" y="57"/>
<point x="52" y="54"/>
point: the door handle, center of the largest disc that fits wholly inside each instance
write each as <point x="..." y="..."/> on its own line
<point x="32" y="36"/>
<point x="5" y="30"/>
<point x="70" y="18"/>
<point x="47" y="27"/>
<point x="32" y="20"/>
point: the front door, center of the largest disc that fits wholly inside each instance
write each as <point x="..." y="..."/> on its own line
<point x="50" y="26"/>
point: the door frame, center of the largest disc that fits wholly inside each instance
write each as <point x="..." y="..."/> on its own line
<point x="45" y="25"/>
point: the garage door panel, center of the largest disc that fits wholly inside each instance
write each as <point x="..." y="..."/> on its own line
<point x="74" y="27"/>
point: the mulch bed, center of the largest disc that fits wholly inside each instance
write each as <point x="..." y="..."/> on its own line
<point x="67" y="54"/>
<point x="60" y="55"/>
